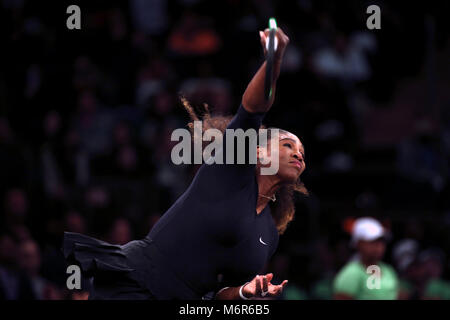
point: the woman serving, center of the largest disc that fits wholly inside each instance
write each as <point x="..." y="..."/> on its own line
<point x="220" y="233"/>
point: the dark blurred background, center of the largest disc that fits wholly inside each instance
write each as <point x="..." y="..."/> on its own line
<point x="86" y="117"/>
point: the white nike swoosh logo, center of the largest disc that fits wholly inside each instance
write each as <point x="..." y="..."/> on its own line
<point x="260" y="240"/>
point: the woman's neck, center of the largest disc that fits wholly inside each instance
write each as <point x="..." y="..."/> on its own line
<point x="267" y="187"/>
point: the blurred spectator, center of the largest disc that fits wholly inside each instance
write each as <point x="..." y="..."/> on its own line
<point x="20" y="232"/>
<point x="194" y="36"/>
<point x="152" y="79"/>
<point x="29" y="261"/>
<point x="97" y="197"/>
<point x="52" y="155"/>
<point x="420" y="159"/>
<point x="346" y="59"/>
<point x="86" y="75"/>
<point x="127" y="161"/>
<point x="404" y="254"/>
<point x="16" y="207"/>
<point x="120" y="232"/>
<point x="292" y="60"/>
<point x="93" y="124"/>
<point x="74" y="222"/>
<point x="368" y="236"/>
<point x="433" y="263"/>
<point x="172" y="177"/>
<point x="323" y="264"/>
<point x="14" y="285"/>
<point x="80" y="295"/>
<point x="150" y="17"/>
<point x="281" y="266"/>
<point x="34" y="79"/>
<point x="323" y="289"/>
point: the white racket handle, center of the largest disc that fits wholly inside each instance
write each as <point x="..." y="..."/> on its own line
<point x="275" y="44"/>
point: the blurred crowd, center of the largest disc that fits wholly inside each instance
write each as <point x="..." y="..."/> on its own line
<point x="86" y="118"/>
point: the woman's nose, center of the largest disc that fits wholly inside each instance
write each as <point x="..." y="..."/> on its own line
<point x="298" y="156"/>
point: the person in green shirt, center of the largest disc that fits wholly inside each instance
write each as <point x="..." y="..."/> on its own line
<point x="432" y="261"/>
<point x="367" y="277"/>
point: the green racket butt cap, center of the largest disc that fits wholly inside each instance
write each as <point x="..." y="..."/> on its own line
<point x="272" y="23"/>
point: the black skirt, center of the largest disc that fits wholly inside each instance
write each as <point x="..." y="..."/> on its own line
<point x="134" y="271"/>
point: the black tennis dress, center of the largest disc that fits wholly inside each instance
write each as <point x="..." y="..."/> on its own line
<point x="211" y="237"/>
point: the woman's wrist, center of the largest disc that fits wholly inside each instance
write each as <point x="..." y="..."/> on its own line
<point x="241" y="292"/>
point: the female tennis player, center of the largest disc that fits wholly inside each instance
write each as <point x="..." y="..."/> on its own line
<point x="218" y="236"/>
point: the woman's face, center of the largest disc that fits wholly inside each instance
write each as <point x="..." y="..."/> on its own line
<point x="291" y="157"/>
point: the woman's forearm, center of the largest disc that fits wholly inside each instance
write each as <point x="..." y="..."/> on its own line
<point x="253" y="99"/>
<point x="229" y="293"/>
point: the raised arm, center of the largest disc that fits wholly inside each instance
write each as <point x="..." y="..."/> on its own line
<point x="253" y="99"/>
<point x="249" y="116"/>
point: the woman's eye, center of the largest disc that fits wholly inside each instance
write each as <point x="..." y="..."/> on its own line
<point x="287" y="145"/>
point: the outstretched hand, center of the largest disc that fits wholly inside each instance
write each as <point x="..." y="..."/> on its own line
<point x="260" y="287"/>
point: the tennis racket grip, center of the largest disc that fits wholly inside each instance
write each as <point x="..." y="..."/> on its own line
<point x="269" y="65"/>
